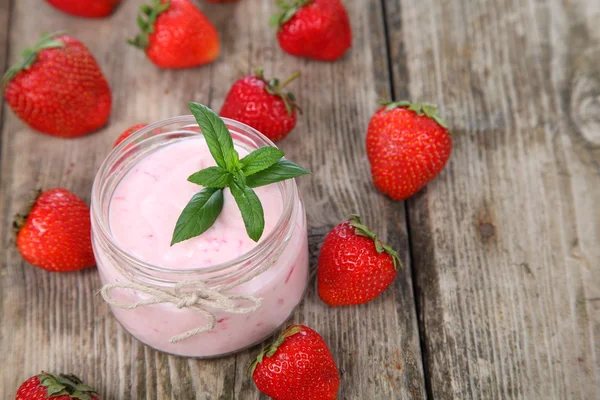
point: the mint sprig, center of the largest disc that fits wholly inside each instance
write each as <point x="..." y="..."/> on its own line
<point x="280" y="171"/>
<point x="262" y="167"/>
<point x="199" y="214"/>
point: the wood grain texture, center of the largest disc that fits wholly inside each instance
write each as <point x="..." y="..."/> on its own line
<point x="56" y="322"/>
<point x="505" y="241"/>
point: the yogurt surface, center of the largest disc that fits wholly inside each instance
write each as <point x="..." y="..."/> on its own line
<point x="149" y="199"/>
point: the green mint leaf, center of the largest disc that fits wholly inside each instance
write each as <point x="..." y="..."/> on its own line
<point x="280" y="171"/>
<point x="260" y="159"/>
<point x="252" y="211"/>
<point x="240" y="178"/>
<point x="217" y="137"/>
<point x="214" y="177"/>
<point x="199" y="214"/>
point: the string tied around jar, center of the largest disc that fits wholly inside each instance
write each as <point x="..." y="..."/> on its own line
<point x="198" y="297"/>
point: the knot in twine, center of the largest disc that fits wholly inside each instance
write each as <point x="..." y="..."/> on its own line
<point x="198" y="299"/>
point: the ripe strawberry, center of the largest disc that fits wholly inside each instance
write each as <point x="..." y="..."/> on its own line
<point x="408" y="145"/>
<point x="128" y="133"/>
<point x="57" y="387"/>
<point x="55" y="236"/>
<point x="175" y="34"/>
<point x="317" y="29"/>
<point x="89" y="8"/>
<point x="354" y="266"/>
<point x="58" y="88"/>
<point x="298" y="365"/>
<point x="262" y="105"/>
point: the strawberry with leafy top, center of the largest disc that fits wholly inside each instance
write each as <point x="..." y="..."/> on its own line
<point x="354" y="267"/>
<point x="89" y="8"/>
<point x="262" y="104"/>
<point x="56" y="234"/>
<point x="58" y="88"/>
<point x="315" y="29"/>
<point x="128" y="133"/>
<point x="175" y="34"/>
<point x="408" y="145"/>
<point x="298" y="365"/>
<point x="57" y="387"/>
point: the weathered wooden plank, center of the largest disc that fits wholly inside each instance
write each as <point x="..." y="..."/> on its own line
<point x="376" y="345"/>
<point x="54" y="321"/>
<point x="505" y="242"/>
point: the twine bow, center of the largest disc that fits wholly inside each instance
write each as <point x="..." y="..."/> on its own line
<point x="200" y="298"/>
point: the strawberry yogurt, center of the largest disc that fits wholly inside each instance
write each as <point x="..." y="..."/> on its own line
<point x="134" y="211"/>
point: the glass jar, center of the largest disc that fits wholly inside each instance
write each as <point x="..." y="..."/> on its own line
<point x="207" y="311"/>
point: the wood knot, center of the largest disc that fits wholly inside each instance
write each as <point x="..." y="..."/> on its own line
<point x="487" y="231"/>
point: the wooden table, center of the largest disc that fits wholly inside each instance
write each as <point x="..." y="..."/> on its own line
<point x="501" y="297"/>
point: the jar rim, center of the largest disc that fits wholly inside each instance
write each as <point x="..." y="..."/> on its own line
<point x="288" y="188"/>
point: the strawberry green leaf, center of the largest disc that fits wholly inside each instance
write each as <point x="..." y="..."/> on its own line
<point x="260" y="159"/>
<point x="274" y="20"/>
<point x="29" y="55"/>
<point x="65" y="385"/>
<point x="218" y="138"/>
<point x="280" y="171"/>
<point x="272" y="349"/>
<point x="214" y="177"/>
<point x="146" y="20"/>
<point x="361" y="230"/>
<point x="288" y="15"/>
<point x="429" y="109"/>
<point x="55" y="389"/>
<point x="251" y="209"/>
<point x="416" y="107"/>
<point x="198" y="215"/>
<point x="288" y="10"/>
<point x="395" y="104"/>
<point x="441" y="121"/>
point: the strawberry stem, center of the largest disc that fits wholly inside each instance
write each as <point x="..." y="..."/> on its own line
<point x="361" y="230"/>
<point x="30" y="54"/>
<point x="275" y="88"/>
<point x="293" y="77"/>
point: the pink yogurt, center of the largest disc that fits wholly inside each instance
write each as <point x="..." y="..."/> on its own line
<point x="143" y="211"/>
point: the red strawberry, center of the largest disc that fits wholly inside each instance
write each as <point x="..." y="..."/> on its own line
<point x="58" y="88"/>
<point x="408" y="145"/>
<point x="262" y="105"/>
<point x="57" y="387"/>
<point x="128" y="133"/>
<point x="175" y="34"/>
<point x="354" y="266"/>
<point x="298" y="365"/>
<point x="317" y="29"/>
<point x="55" y="236"/>
<point x="89" y="8"/>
